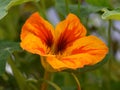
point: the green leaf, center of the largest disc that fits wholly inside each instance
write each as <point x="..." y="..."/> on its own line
<point x="114" y="14"/>
<point x="5" y="5"/>
<point x="3" y="58"/>
<point x="6" y="48"/>
<point x="17" y="2"/>
<point x="101" y="3"/>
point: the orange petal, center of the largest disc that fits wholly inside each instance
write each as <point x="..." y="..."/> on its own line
<point x="33" y="44"/>
<point x="85" y="51"/>
<point x="40" y="28"/>
<point x="68" y="31"/>
<point x="56" y="63"/>
<point x="91" y="46"/>
<point x="70" y="62"/>
<point x="37" y="35"/>
<point x="78" y="60"/>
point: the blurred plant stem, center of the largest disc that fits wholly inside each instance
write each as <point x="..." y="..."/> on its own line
<point x="110" y="46"/>
<point x="110" y="53"/>
<point x="46" y="77"/>
<point x="67" y="6"/>
<point x="79" y="8"/>
<point x="109" y="36"/>
<point x="41" y="8"/>
<point x="77" y="81"/>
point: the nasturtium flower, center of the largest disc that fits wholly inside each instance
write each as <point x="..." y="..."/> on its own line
<point x="64" y="47"/>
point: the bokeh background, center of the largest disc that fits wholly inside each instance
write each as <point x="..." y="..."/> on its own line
<point x="103" y="76"/>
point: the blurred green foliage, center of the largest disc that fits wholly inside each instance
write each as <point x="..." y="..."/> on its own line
<point x="27" y="71"/>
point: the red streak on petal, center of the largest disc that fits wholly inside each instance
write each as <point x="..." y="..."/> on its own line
<point x="39" y="27"/>
<point x="80" y="50"/>
<point x="44" y="34"/>
<point x="42" y="51"/>
<point x="67" y="38"/>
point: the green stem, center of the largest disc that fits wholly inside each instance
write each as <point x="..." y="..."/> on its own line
<point x="77" y="81"/>
<point x="110" y="45"/>
<point x="79" y="7"/>
<point x="46" y="77"/>
<point x="43" y="4"/>
<point x="110" y="53"/>
<point x="67" y="6"/>
<point x="54" y="85"/>
<point x="109" y="35"/>
<point x="41" y="8"/>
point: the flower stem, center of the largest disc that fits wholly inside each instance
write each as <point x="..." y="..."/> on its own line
<point x="110" y="45"/>
<point x="41" y="8"/>
<point x="109" y="35"/>
<point x="79" y="7"/>
<point x="110" y="53"/>
<point x="46" y="77"/>
<point x="77" y="81"/>
<point x="67" y="6"/>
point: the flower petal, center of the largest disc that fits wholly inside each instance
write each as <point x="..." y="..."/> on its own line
<point x="78" y="60"/>
<point x="37" y="35"/>
<point x="40" y="28"/>
<point x="85" y="51"/>
<point x="56" y="63"/>
<point x="70" y="62"/>
<point x="68" y="31"/>
<point x="33" y="44"/>
<point x="90" y="45"/>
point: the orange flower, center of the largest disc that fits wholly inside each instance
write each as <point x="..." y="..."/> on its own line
<point x="65" y="47"/>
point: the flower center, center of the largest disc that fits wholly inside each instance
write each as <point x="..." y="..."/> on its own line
<point x="61" y="45"/>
